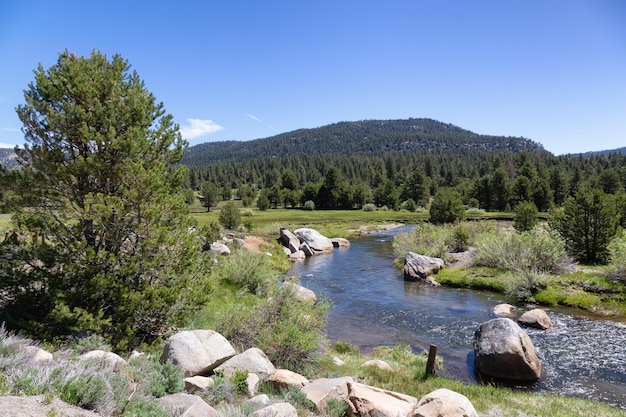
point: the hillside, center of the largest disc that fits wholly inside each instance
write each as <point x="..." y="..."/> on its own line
<point x="361" y="138"/>
<point x="7" y="158"/>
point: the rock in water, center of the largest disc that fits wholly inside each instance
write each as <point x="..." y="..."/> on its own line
<point x="503" y="350"/>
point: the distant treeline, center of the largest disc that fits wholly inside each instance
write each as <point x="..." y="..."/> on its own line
<point x="388" y="163"/>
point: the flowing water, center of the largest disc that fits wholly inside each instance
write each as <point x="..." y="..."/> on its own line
<point x="374" y="306"/>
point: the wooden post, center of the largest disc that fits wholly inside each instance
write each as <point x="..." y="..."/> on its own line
<point x="430" y="365"/>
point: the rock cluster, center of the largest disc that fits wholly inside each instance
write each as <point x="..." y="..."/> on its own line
<point x="305" y="242"/>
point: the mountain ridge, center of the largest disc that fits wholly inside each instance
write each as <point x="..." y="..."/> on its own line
<point x="364" y="137"/>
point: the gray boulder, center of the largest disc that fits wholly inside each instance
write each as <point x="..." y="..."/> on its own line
<point x="198" y="383"/>
<point x="220" y="248"/>
<point x="252" y="360"/>
<point x="365" y="400"/>
<point x="377" y="363"/>
<point x="276" y="410"/>
<point x="187" y="405"/>
<point x="197" y="352"/>
<point x="315" y="240"/>
<point x="536" y="318"/>
<point x="321" y="390"/>
<point x="443" y="402"/>
<point x="300" y="293"/>
<point x="284" y="378"/>
<point x="339" y="242"/>
<point x="419" y="268"/>
<point x="504" y="310"/>
<point x="503" y="350"/>
<point x="105" y="360"/>
<point x="289" y="240"/>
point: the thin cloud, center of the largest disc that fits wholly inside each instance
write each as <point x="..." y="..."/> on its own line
<point x="199" y="127"/>
<point x="6" y="145"/>
<point x="259" y="120"/>
<point x="254" y="117"/>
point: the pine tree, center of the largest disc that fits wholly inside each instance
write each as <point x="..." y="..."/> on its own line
<point x="99" y="179"/>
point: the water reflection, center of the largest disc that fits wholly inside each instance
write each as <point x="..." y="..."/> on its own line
<point x="373" y="306"/>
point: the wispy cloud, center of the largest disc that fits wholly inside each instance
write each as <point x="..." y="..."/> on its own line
<point x="199" y="127"/>
<point x="6" y="145"/>
<point x="254" y="117"/>
<point x="259" y="120"/>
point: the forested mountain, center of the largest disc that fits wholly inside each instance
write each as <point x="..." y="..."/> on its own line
<point x="366" y="138"/>
<point x="621" y="150"/>
<point x="7" y="158"/>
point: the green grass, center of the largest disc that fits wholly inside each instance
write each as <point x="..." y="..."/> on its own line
<point x="407" y="376"/>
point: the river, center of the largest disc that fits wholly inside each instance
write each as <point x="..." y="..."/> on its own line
<point x="372" y="305"/>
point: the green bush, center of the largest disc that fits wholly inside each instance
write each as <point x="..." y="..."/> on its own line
<point x="369" y="207"/>
<point x="410" y="205"/>
<point x="335" y="407"/>
<point x="523" y="285"/>
<point x="345" y="348"/>
<point x="239" y="382"/>
<point x="527" y="251"/>
<point x="617" y="253"/>
<point x="308" y="205"/>
<point x="461" y="238"/>
<point x="144" y="407"/>
<point x="250" y="270"/>
<point x="289" y="331"/>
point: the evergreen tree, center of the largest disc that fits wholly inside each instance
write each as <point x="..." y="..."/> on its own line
<point x="210" y="195"/>
<point x="525" y="216"/>
<point x="446" y="207"/>
<point x="587" y="222"/>
<point x="100" y="179"/>
<point x="230" y="217"/>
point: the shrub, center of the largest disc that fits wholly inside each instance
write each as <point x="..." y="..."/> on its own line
<point x="335" y="407"/>
<point x="345" y="348"/>
<point x="250" y="270"/>
<point x="369" y="207"/>
<point x="461" y="238"/>
<point x="527" y="251"/>
<point x="158" y="379"/>
<point x="247" y="213"/>
<point x="523" y="285"/>
<point x="410" y="205"/>
<point x="239" y="382"/>
<point x="617" y="251"/>
<point x="287" y="330"/>
<point x="308" y="205"/>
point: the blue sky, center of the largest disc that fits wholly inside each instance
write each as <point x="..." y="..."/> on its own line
<point x="553" y="71"/>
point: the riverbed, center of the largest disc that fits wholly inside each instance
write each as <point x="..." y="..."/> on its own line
<point x="373" y="306"/>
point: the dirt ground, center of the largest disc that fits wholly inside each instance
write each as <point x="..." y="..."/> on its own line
<point x="253" y="243"/>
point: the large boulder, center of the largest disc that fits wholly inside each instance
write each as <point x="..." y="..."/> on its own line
<point x="536" y="318"/>
<point x="252" y="360"/>
<point x="276" y="410"/>
<point x="220" y="248"/>
<point x="284" y="378"/>
<point x="289" y="240"/>
<point x="420" y="267"/>
<point x="198" y="383"/>
<point x="197" y="352"/>
<point x="443" y="402"/>
<point x="365" y="400"/>
<point x="503" y="350"/>
<point x="37" y="355"/>
<point x="300" y="293"/>
<point x="321" y="390"/>
<point x="187" y="405"/>
<point x="105" y="360"/>
<point x="315" y="240"/>
<point x="40" y="406"/>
